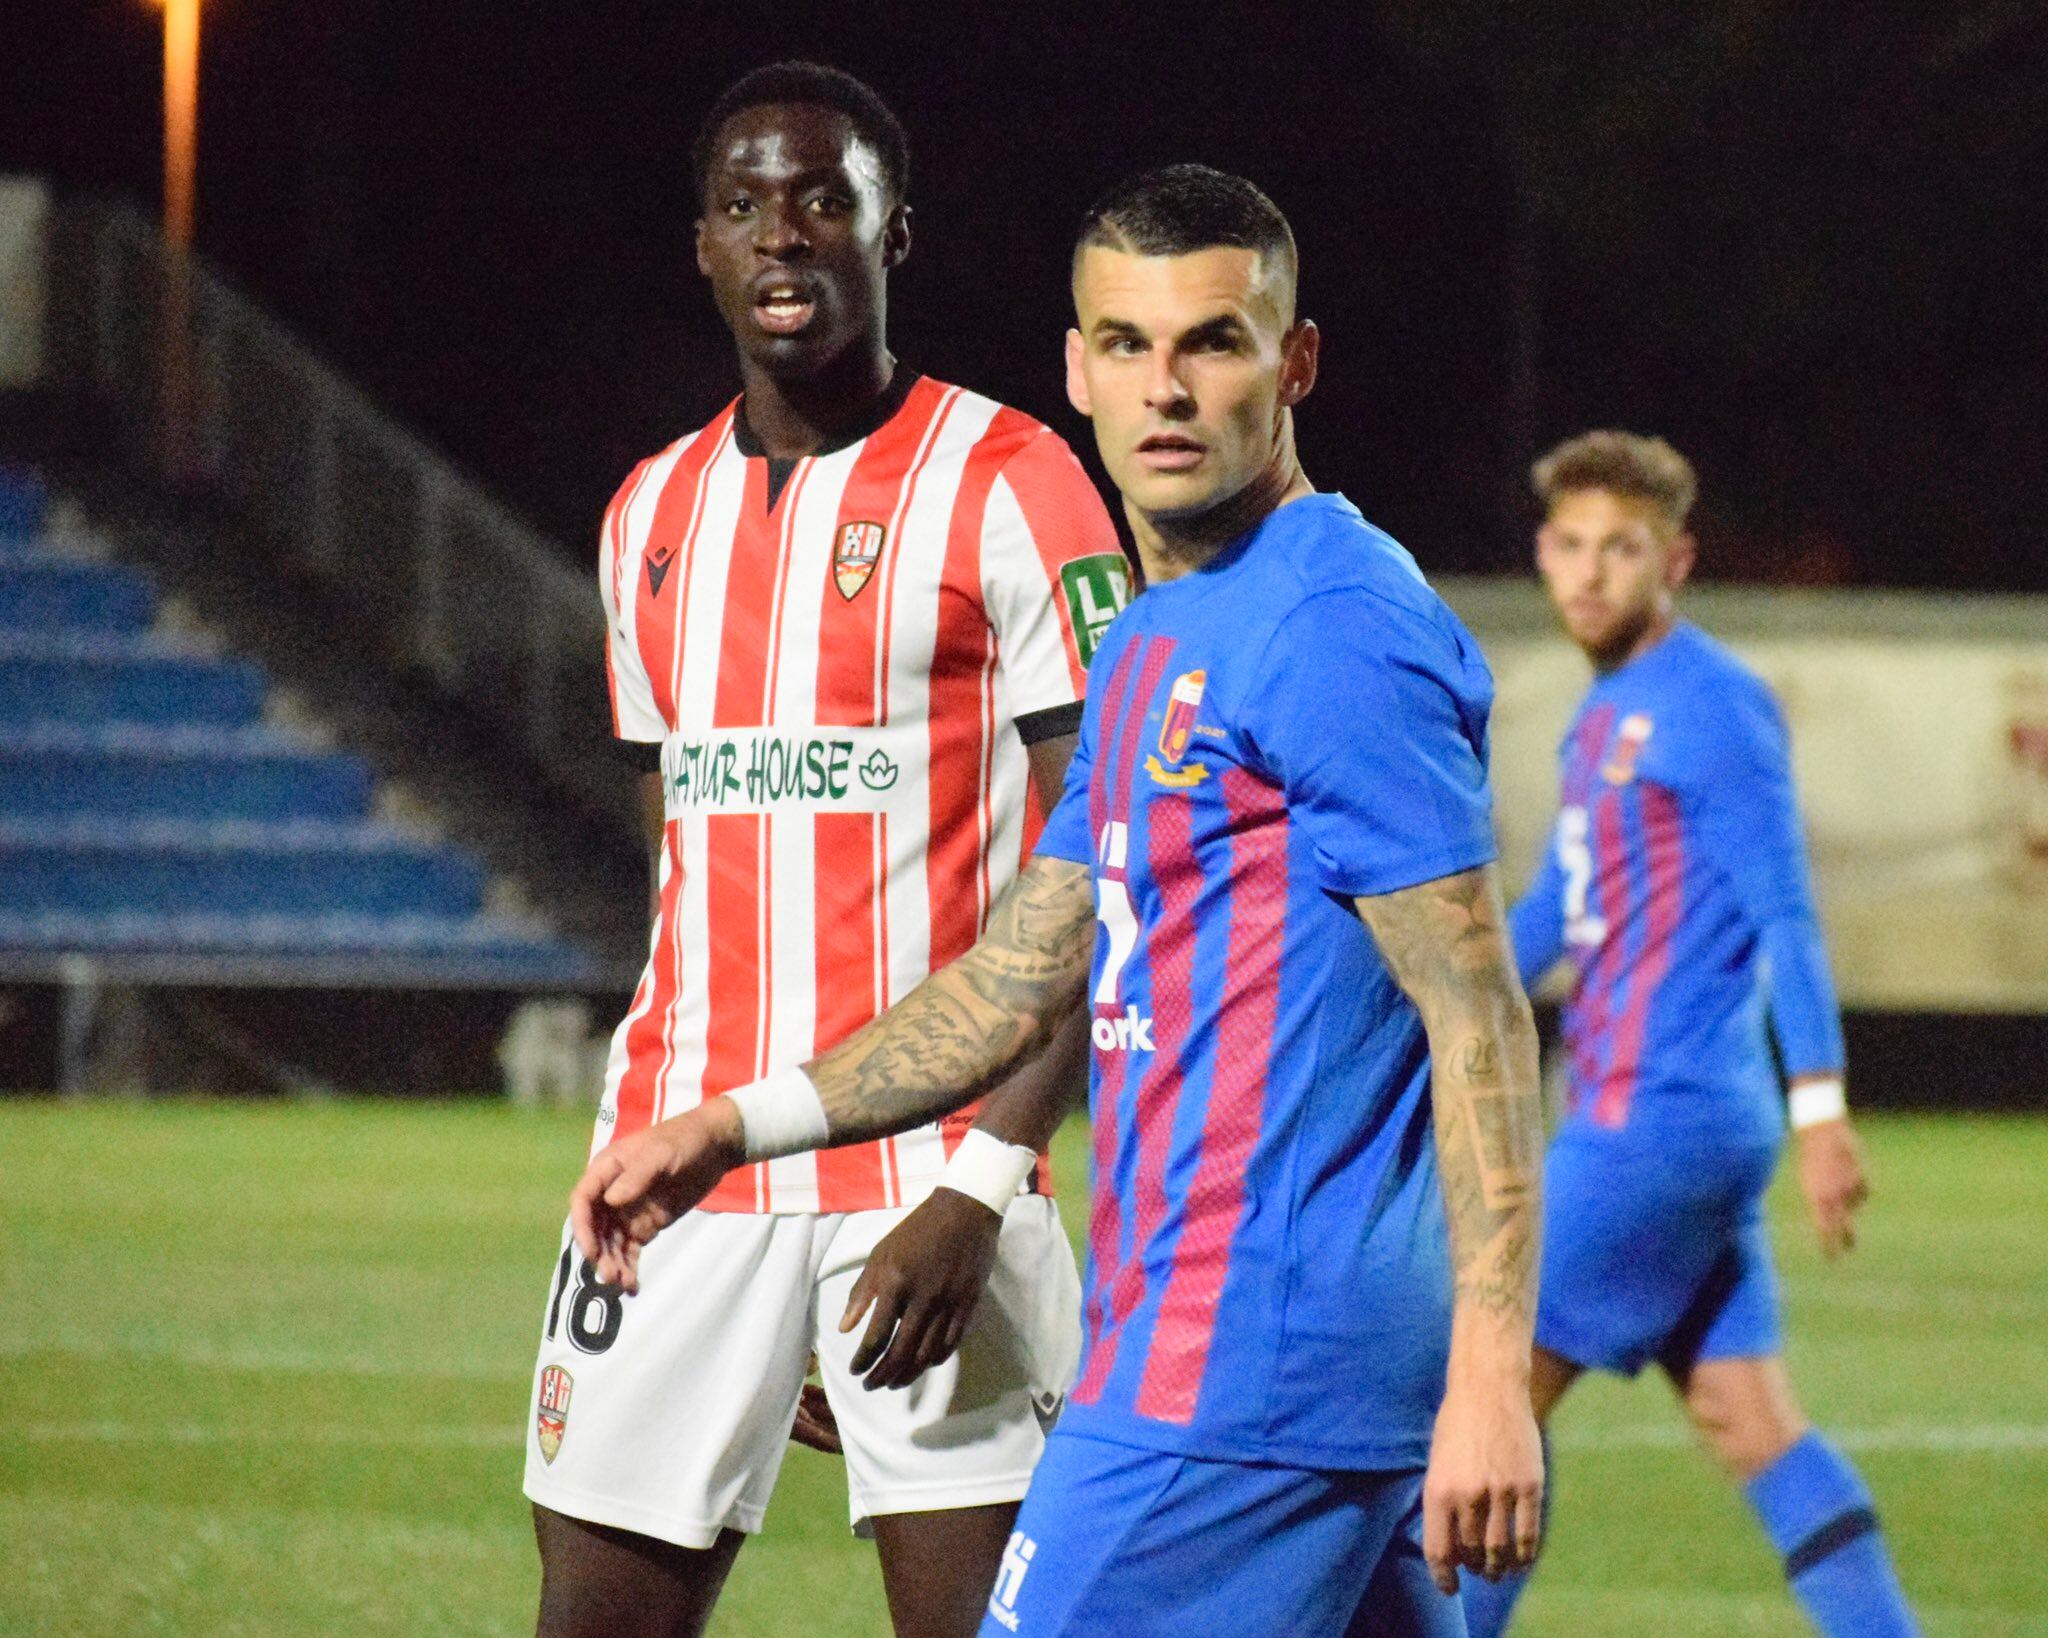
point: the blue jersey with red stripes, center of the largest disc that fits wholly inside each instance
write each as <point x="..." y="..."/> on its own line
<point x="1299" y="723"/>
<point x="1676" y="881"/>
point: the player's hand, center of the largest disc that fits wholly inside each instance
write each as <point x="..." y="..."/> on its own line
<point x="636" y="1187"/>
<point x="1482" y="1498"/>
<point x="816" y="1426"/>
<point x="922" y="1284"/>
<point x="1832" y="1178"/>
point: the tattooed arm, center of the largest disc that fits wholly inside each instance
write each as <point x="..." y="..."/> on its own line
<point x="964" y="1028"/>
<point x="944" y="1044"/>
<point x="921" y="1285"/>
<point x="1447" y="945"/>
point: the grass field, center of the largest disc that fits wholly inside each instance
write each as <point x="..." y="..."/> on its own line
<point x="266" y="1372"/>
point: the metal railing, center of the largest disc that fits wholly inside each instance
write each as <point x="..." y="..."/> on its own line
<point x="211" y="393"/>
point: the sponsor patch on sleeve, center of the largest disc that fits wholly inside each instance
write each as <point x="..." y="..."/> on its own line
<point x="1097" y="588"/>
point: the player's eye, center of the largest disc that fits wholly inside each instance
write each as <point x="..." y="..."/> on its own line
<point x="1123" y="346"/>
<point x="830" y="204"/>
<point x="741" y="206"/>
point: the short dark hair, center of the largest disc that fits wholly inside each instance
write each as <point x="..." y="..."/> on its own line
<point x="1179" y="209"/>
<point x="826" y="87"/>
<point x="1622" y="463"/>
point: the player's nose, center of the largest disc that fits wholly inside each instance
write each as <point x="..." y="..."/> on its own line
<point x="1165" y="392"/>
<point x="779" y="235"/>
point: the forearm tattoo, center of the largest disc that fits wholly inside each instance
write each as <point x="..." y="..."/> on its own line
<point x="965" y="1027"/>
<point x="1446" y="946"/>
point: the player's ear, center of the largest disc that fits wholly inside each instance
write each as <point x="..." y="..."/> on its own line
<point x="697" y="239"/>
<point x="1300" y="350"/>
<point x="1678" y="562"/>
<point x="1546" y="541"/>
<point x="1077" y="378"/>
<point x="896" y="237"/>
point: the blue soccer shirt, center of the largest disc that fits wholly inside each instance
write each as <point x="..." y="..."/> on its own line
<point x="1676" y="880"/>
<point x="1298" y="723"/>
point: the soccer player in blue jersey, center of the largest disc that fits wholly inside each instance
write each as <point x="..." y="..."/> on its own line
<point x="1304" y="1399"/>
<point x="1676" y="886"/>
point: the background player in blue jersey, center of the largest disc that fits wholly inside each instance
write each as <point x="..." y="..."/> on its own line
<point x="1676" y="885"/>
<point x="1304" y="1399"/>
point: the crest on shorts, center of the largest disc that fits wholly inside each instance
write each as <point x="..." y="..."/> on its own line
<point x="1620" y="767"/>
<point x="551" y="1419"/>
<point x="854" y="556"/>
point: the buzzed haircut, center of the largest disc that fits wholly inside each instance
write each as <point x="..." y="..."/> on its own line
<point x="1179" y="209"/>
<point x="821" y="86"/>
<point x="1622" y="463"/>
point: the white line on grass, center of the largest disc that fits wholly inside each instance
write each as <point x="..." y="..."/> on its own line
<point x="1984" y="1438"/>
<point x="192" y="1433"/>
<point x="1659" y="1608"/>
<point x="1988" y="1438"/>
<point x="208" y="1357"/>
<point x="1931" y="1302"/>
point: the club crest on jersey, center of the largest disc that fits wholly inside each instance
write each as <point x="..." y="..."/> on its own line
<point x="854" y="556"/>
<point x="1176" y="731"/>
<point x="551" y="1419"/>
<point x="1181" y="706"/>
<point x="657" y="570"/>
<point x="1628" y="746"/>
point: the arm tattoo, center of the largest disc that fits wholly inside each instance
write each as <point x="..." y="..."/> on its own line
<point x="962" y="1029"/>
<point x="1446" y="946"/>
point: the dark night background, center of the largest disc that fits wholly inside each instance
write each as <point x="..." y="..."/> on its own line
<point x="1802" y="240"/>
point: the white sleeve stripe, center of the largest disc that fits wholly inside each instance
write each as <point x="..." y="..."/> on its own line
<point x="633" y="694"/>
<point x="1023" y="601"/>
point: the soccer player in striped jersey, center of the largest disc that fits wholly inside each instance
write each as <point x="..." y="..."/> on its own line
<point x="849" y="625"/>
<point x="1676" y="886"/>
<point x="1304" y="1398"/>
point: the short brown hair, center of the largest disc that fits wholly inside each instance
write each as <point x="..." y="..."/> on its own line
<point x="1622" y="463"/>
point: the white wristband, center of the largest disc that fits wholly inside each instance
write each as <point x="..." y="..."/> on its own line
<point x="987" y="1169"/>
<point x="782" y="1115"/>
<point x="1813" y="1102"/>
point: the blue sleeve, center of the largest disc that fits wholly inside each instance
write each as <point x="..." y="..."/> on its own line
<point x="1749" y="827"/>
<point x="1066" y="828"/>
<point x="1372" y="719"/>
<point x="1537" y="920"/>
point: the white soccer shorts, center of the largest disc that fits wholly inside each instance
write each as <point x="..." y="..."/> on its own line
<point x="667" y="1412"/>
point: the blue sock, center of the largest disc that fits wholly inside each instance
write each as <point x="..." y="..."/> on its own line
<point x="1818" y="1515"/>
<point x="1488" y="1604"/>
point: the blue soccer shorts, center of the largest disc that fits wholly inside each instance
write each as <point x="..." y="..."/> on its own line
<point x="1655" y="1251"/>
<point x="1115" y="1540"/>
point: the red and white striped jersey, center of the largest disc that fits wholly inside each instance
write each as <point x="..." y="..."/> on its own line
<point x="835" y="672"/>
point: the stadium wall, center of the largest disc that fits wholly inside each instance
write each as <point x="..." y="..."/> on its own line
<point x="1919" y="727"/>
<point x="24" y="262"/>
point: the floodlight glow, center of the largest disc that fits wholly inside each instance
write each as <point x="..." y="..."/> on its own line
<point x="181" y="116"/>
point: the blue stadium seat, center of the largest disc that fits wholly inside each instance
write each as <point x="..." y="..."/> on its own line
<point x="122" y="770"/>
<point x="233" y="866"/>
<point x="41" y="592"/>
<point x="62" y="678"/>
<point x="24" y="504"/>
<point x="344" y="946"/>
<point x="146" y="813"/>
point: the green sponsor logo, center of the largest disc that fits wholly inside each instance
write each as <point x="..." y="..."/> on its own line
<point x="878" y="773"/>
<point x="1097" y="589"/>
<point x="764" y="770"/>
